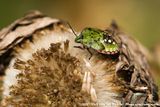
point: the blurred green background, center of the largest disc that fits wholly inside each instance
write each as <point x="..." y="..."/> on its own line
<point x="139" y="18"/>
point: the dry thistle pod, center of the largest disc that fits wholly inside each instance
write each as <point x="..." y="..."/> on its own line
<point x="51" y="78"/>
<point x="100" y="87"/>
<point x="62" y="74"/>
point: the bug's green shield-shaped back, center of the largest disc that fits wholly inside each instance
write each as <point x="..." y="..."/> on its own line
<point x="98" y="40"/>
<point x="91" y="37"/>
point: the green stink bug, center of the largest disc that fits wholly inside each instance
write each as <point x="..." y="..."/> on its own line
<point x="98" y="40"/>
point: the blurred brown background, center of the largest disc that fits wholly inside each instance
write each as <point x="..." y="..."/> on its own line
<point x="140" y="18"/>
<point x="137" y="17"/>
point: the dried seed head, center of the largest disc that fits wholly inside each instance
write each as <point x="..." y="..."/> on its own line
<point x="50" y="78"/>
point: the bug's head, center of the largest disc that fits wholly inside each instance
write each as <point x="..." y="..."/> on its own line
<point x="78" y="39"/>
<point x="110" y="44"/>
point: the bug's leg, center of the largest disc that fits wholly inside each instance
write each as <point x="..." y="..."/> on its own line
<point x="80" y="47"/>
<point x="89" y="53"/>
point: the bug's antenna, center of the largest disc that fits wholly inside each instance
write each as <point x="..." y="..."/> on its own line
<point x="72" y="29"/>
